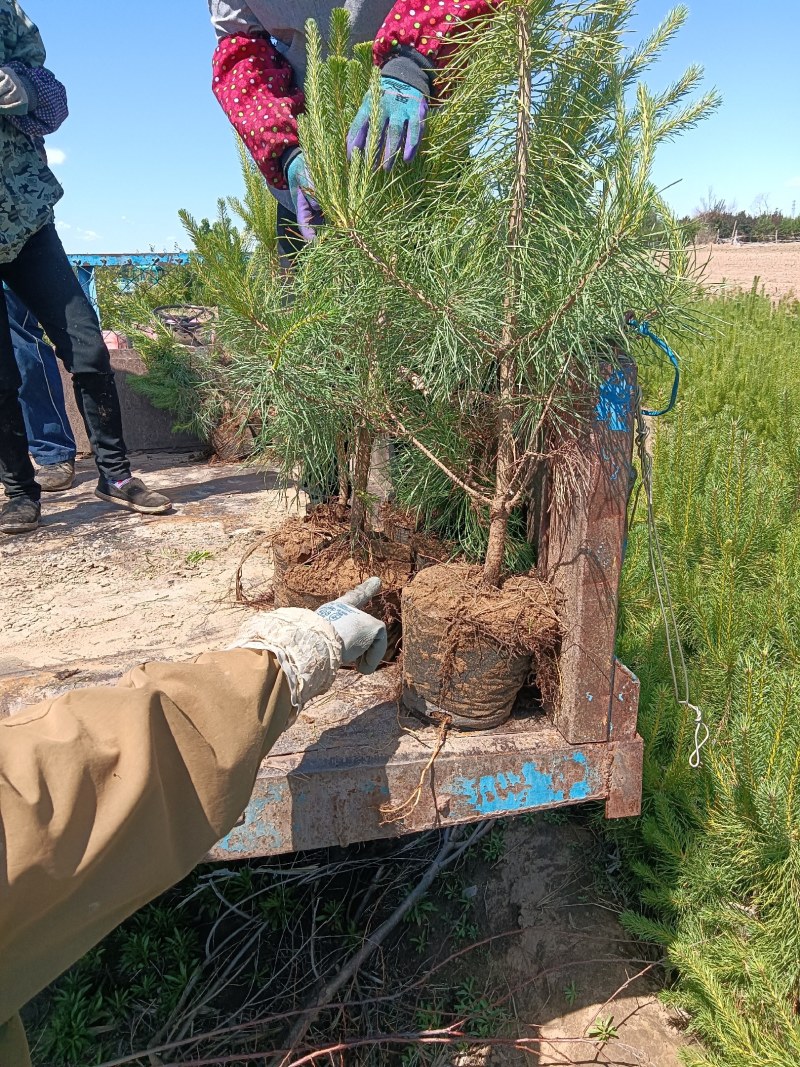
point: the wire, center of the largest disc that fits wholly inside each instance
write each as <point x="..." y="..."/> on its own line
<point x="644" y="330"/>
<point x="679" y="670"/>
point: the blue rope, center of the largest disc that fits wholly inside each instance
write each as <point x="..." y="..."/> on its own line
<point x="643" y="329"/>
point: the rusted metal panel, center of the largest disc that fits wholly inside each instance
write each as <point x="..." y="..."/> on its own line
<point x="582" y="548"/>
<point x="625" y="778"/>
<point x="349" y="758"/>
<point x="352" y="753"/>
<point x="624" y="704"/>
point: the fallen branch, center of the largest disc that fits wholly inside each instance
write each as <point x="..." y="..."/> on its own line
<point x="451" y="849"/>
<point x="622" y="988"/>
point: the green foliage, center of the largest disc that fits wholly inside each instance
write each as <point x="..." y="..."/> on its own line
<point x="458" y="304"/>
<point x="190" y="383"/>
<point x="571" y="993"/>
<point x="715" y="221"/>
<point x="483" y="1017"/>
<point x="493" y="846"/>
<point x="716" y="853"/>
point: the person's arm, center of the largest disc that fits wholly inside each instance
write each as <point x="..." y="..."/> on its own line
<point x="415" y="39"/>
<point x="109" y="796"/>
<point x="413" y="44"/>
<point x="254" y="85"/>
<point x="47" y="100"/>
<point x="45" y="97"/>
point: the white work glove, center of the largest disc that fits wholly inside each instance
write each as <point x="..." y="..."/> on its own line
<point x="364" y="637"/>
<point x="13" y="94"/>
<point x="310" y="648"/>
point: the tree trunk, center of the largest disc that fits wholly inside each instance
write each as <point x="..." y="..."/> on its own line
<point x="343" y="474"/>
<point x="363" y="457"/>
<point x="507" y="371"/>
<point x="496" y="549"/>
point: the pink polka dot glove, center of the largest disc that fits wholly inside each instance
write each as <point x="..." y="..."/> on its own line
<point x="301" y="190"/>
<point x="403" y="113"/>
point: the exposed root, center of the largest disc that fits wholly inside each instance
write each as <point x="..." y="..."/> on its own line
<point x="401" y="811"/>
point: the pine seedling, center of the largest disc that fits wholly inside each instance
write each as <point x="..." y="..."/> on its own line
<point x="459" y="305"/>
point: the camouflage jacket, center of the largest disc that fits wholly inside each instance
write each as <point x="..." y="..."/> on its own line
<point x="28" y="189"/>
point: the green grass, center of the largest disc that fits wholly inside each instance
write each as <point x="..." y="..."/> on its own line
<point x="715" y="856"/>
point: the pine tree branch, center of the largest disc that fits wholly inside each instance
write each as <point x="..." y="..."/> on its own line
<point x="572" y="300"/>
<point x="470" y="490"/>
<point x="389" y="272"/>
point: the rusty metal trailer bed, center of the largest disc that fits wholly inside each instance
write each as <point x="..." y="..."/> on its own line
<point x="355" y="753"/>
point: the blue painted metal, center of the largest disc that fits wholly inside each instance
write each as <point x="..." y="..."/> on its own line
<point x="330" y="779"/>
<point x="143" y="260"/>
<point x="616" y="402"/>
<point x="509" y="791"/>
<point x="86" y="265"/>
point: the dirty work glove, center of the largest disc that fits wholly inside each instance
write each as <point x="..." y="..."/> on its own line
<point x="301" y="190"/>
<point x="403" y="113"/>
<point x="310" y="647"/>
<point x="363" y="637"/>
<point x="13" y="94"/>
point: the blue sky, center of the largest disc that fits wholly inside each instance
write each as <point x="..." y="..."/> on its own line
<point x="146" y="137"/>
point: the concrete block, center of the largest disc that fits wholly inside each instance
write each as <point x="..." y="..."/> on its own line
<point x="146" y="428"/>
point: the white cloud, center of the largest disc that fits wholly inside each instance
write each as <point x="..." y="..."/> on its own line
<point x="56" y="156"/>
<point x="77" y="233"/>
<point x="793" y="183"/>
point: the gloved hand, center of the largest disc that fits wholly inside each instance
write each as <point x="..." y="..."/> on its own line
<point x="364" y="637"/>
<point x="301" y="189"/>
<point x="13" y="94"/>
<point x="311" y="646"/>
<point x="403" y="113"/>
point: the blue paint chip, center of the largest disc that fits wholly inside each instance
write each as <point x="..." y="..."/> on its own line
<point x="579" y="791"/>
<point x="258" y="833"/>
<point x="616" y="402"/>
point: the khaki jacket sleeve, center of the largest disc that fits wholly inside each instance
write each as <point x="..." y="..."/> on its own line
<point x="109" y="796"/>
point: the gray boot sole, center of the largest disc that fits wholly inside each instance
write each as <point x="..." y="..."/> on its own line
<point x="20" y="528"/>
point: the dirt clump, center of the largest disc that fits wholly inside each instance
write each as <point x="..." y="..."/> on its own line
<point x="469" y="648"/>
<point x="335" y="568"/>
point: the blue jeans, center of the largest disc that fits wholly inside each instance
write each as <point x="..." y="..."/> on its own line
<point x="41" y="394"/>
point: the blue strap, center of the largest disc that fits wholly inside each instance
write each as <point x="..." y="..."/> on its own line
<point x="643" y="329"/>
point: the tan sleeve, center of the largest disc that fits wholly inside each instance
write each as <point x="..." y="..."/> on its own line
<point x="109" y="796"/>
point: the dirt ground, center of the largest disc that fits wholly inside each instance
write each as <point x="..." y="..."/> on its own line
<point x="97" y="590"/>
<point x="776" y="266"/>
<point x="563" y="959"/>
<point x="97" y="583"/>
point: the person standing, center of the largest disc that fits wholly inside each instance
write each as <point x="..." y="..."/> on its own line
<point x="35" y="267"/>
<point x="50" y="439"/>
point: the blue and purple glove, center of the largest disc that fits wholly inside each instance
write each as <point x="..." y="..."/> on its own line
<point x="301" y="190"/>
<point x="403" y="111"/>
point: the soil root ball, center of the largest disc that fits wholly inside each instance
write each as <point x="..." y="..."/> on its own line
<point x="468" y="649"/>
<point x="316" y="561"/>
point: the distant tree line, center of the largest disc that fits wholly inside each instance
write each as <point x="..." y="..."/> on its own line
<point x="716" y="222"/>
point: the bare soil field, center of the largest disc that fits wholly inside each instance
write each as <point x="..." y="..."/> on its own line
<point x="776" y="266"/>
